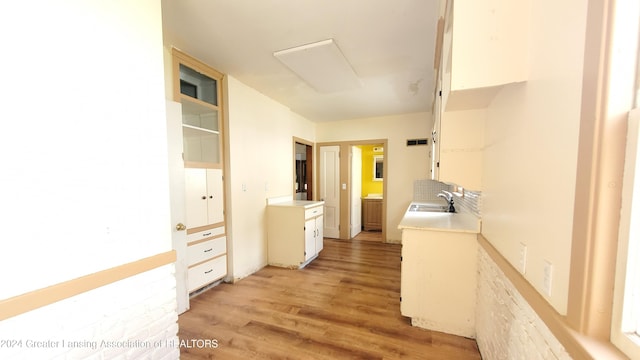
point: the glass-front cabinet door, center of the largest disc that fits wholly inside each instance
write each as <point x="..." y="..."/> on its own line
<point x="198" y="88"/>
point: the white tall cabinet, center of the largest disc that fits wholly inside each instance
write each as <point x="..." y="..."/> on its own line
<point x="294" y="232"/>
<point x="198" y="88"/>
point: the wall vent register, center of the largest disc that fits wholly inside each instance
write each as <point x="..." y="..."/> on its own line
<point x="414" y="142"/>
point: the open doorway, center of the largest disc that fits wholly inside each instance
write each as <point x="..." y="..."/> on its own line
<point x="367" y="191"/>
<point x="303" y="169"/>
<point x="345" y="183"/>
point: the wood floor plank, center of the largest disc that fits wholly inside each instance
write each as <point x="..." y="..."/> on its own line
<point x="343" y="305"/>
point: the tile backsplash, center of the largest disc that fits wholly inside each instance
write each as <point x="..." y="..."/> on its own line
<point x="427" y="190"/>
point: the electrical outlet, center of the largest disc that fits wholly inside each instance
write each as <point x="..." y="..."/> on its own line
<point x="522" y="260"/>
<point x="547" y="279"/>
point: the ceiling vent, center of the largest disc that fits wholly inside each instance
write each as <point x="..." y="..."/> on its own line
<point x="321" y="65"/>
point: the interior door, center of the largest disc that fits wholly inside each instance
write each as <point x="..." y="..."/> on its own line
<point x="177" y="201"/>
<point x="356" y="191"/>
<point x="330" y="189"/>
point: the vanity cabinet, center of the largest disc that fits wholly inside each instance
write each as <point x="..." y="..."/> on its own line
<point x="294" y="233"/>
<point x="198" y="88"/>
<point x="372" y="214"/>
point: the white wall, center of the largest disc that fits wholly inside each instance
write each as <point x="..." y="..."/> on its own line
<point x="405" y="164"/>
<point x="83" y="150"/>
<point x="531" y="143"/>
<point x="260" y="159"/>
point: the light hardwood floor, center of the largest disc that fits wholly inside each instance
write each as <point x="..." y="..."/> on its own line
<point x="344" y="305"/>
<point x="369" y="236"/>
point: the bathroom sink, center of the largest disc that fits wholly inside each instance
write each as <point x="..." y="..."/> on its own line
<point x="428" y="208"/>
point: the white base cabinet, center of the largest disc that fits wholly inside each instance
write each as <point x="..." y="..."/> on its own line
<point x="438" y="280"/>
<point x="206" y="257"/>
<point x="294" y="233"/>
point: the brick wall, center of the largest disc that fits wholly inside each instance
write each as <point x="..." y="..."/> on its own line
<point x="129" y="319"/>
<point x="506" y="326"/>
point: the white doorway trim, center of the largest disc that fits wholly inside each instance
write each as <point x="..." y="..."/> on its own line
<point x="345" y="178"/>
<point x="356" y="191"/>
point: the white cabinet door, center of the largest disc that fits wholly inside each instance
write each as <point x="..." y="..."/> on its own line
<point x="319" y="234"/>
<point x="204" y="197"/>
<point x="215" y="199"/>
<point x="309" y="239"/>
<point x="196" y="197"/>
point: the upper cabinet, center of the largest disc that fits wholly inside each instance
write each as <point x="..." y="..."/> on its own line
<point x="199" y="89"/>
<point x="461" y="148"/>
<point x="484" y="46"/>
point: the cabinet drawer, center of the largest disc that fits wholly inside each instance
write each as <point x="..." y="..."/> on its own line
<point x="205" y="234"/>
<point x="207" y="272"/>
<point x="313" y="212"/>
<point x="205" y="250"/>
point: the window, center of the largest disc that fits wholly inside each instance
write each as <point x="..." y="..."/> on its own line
<point x="625" y="332"/>
<point x="626" y="323"/>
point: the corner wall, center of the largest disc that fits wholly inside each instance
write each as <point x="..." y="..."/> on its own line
<point x="258" y="165"/>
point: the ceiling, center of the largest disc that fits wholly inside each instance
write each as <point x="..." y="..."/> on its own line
<point x="390" y="45"/>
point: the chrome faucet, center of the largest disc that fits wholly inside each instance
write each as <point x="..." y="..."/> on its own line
<point x="449" y="198"/>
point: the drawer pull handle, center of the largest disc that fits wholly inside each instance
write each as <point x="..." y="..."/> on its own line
<point x="207" y="234"/>
<point x="206" y="272"/>
<point x="208" y="250"/>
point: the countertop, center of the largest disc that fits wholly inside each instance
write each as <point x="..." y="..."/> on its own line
<point x="302" y="203"/>
<point x="439" y="221"/>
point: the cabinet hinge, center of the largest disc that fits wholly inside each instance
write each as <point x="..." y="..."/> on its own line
<point x="440" y="93"/>
<point x="400" y="258"/>
<point x="438" y="164"/>
<point x="400" y="298"/>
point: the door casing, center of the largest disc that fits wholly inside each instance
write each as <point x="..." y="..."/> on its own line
<point x="345" y="178"/>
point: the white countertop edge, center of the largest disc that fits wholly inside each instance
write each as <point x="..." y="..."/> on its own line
<point x="435" y="228"/>
<point x="301" y="203"/>
<point x="437" y="221"/>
